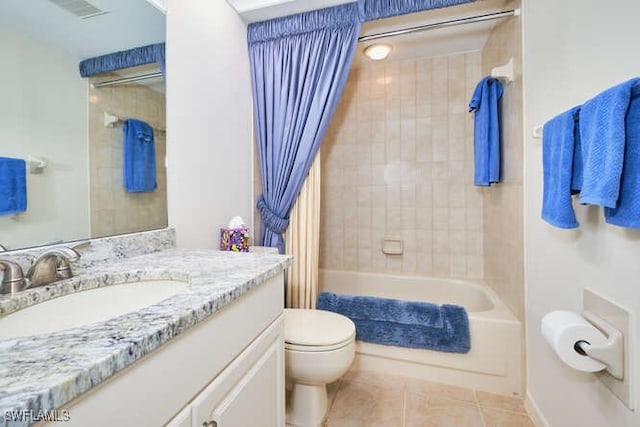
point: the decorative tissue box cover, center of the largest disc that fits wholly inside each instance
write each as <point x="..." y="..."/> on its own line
<point x="234" y="239"/>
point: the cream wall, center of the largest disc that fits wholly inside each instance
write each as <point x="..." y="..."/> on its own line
<point x="397" y="163"/>
<point x="113" y="209"/>
<point x="208" y="120"/>
<point x="43" y="113"/>
<point x="502" y="204"/>
<point x="572" y="50"/>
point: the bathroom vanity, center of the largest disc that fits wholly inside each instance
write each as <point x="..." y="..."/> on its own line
<point x="210" y="355"/>
<point x="228" y="369"/>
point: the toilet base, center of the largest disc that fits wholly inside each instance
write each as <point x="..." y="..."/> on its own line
<point x="307" y="405"/>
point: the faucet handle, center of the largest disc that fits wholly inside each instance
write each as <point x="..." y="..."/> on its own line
<point x="81" y="245"/>
<point x="12" y="277"/>
<point x="64" y="266"/>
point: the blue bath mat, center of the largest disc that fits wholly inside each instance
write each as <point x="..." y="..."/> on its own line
<point x="409" y="324"/>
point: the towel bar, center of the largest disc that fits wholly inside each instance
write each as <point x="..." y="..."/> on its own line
<point x="504" y="71"/>
<point x="36" y="165"/>
<point x="537" y="132"/>
<point x="111" y="121"/>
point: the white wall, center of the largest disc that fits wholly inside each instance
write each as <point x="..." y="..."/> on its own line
<point x="208" y="120"/>
<point x="43" y="112"/>
<point x="574" y="49"/>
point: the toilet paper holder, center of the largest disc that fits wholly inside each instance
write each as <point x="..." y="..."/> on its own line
<point x="611" y="353"/>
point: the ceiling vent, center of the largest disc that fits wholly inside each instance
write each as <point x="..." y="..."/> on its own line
<point x="80" y="8"/>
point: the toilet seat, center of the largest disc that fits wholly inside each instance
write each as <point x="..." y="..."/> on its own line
<point x="316" y="330"/>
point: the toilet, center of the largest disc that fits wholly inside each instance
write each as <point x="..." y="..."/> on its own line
<point x="319" y="348"/>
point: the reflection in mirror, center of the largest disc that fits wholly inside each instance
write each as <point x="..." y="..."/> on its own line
<point x="114" y="210"/>
<point x="49" y="113"/>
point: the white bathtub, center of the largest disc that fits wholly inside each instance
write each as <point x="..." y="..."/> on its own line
<point x="494" y="362"/>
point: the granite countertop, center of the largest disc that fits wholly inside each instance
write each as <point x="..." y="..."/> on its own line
<point x="45" y="372"/>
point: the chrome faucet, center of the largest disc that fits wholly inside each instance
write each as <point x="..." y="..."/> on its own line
<point x="52" y="265"/>
<point x="12" y="277"/>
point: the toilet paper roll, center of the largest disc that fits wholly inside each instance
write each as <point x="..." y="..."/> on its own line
<point x="563" y="329"/>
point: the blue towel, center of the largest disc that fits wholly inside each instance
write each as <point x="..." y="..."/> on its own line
<point x="13" y="186"/>
<point x="561" y="167"/>
<point x="139" y="157"/>
<point x="486" y="131"/>
<point x="403" y="323"/>
<point x="627" y="212"/>
<point x="602" y="134"/>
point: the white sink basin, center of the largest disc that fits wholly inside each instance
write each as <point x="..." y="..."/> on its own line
<point x="85" y="307"/>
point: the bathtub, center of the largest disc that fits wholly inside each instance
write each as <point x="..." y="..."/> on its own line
<point x="494" y="362"/>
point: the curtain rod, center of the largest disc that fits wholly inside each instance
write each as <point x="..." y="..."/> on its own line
<point x="443" y="24"/>
<point x="128" y="79"/>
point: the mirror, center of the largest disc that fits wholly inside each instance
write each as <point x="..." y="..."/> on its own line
<point x="54" y="120"/>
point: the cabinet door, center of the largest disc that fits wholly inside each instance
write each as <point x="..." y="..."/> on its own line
<point x="250" y="392"/>
<point x="183" y="419"/>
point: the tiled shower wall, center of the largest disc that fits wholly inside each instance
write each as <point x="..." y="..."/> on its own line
<point x="113" y="209"/>
<point x="397" y="163"/>
<point x="503" y="204"/>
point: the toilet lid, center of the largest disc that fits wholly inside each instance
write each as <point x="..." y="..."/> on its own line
<point x="317" y="328"/>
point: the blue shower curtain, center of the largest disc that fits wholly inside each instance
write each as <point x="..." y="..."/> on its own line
<point x="299" y="65"/>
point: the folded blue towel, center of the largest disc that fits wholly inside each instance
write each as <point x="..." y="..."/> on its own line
<point x="627" y="212"/>
<point x="403" y="323"/>
<point x="602" y="134"/>
<point x="139" y="157"/>
<point x="561" y="168"/>
<point x="13" y="186"/>
<point x="486" y="131"/>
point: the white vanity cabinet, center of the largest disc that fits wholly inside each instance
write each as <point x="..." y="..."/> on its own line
<point x="183" y="419"/>
<point x="250" y="392"/>
<point x="228" y="370"/>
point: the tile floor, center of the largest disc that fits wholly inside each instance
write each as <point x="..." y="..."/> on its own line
<point x="368" y="399"/>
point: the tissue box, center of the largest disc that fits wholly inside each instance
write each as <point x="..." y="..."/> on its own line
<point x="234" y="239"/>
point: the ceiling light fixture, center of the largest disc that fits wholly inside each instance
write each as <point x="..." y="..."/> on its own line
<point x="377" y="51"/>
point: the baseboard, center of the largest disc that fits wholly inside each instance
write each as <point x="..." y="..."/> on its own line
<point x="534" y="412"/>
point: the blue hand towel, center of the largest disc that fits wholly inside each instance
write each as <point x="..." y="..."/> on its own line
<point x="602" y="134"/>
<point x="403" y="323"/>
<point x="561" y="168"/>
<point x="139" y="157"/>
<point x="13" y="186"/>
<point x="627" y="212"/>
<point x="486" y="131"/>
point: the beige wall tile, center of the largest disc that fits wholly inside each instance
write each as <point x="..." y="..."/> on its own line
<point x="396" y="163"/>
<point x="114" y="211"/>
<point x="502" y="214"/>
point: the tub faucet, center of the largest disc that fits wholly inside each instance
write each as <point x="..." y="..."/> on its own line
<point x="12" y="279"/>
<point x="52" y="265"/>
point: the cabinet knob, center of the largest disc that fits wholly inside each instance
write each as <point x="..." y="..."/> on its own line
<point x="210" y="424"/>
